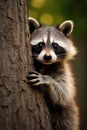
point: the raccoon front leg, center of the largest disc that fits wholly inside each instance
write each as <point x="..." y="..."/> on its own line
<point x="59" y="94"/>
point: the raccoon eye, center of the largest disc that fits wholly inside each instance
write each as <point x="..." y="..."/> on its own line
<point x="41" y="44"/>
<point x="55" y="45"/>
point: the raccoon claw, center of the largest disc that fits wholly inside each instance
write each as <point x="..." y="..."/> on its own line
<point x="34" y="78"/>
<point x="34" y="83"/>
<point x="33" y="72"/>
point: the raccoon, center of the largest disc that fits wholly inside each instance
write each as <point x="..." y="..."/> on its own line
<point x="52" y="50"/>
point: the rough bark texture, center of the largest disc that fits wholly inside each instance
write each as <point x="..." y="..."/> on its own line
<point x="21" y="108"/>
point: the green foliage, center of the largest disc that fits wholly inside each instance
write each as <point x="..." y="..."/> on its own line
<point x="56" y="11"/>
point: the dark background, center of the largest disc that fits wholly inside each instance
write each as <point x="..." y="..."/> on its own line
<point x="56" y="11"/>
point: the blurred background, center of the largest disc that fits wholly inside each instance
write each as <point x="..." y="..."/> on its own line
<point x="52" y="12"/>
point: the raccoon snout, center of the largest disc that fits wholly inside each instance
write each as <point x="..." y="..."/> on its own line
<point x="47" y="57"/>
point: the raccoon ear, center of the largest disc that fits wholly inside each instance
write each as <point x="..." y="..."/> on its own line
<point x="33" y="24"/>
<point x="66" y="27"/>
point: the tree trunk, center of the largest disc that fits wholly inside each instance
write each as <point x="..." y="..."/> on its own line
<point x="21" y="107"/>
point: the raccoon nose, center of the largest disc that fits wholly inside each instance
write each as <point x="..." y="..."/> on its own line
<point x="47" y="57"/>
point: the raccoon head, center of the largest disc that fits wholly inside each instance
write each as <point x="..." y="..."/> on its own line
<point x="51" y="44"/>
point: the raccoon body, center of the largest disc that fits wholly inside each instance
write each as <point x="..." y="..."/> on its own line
<point x="52" y="49"/>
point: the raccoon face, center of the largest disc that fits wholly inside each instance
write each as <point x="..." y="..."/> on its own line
<point x="51" y="44"/>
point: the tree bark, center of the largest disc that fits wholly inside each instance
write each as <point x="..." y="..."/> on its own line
<point x="21" y="107"/>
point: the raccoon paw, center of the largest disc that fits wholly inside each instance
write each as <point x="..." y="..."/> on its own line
<point x="35" y="78"/>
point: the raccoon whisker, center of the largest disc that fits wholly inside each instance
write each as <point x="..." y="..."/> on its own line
<point x="61" y="54"/>
<point x="35" y="55"/>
